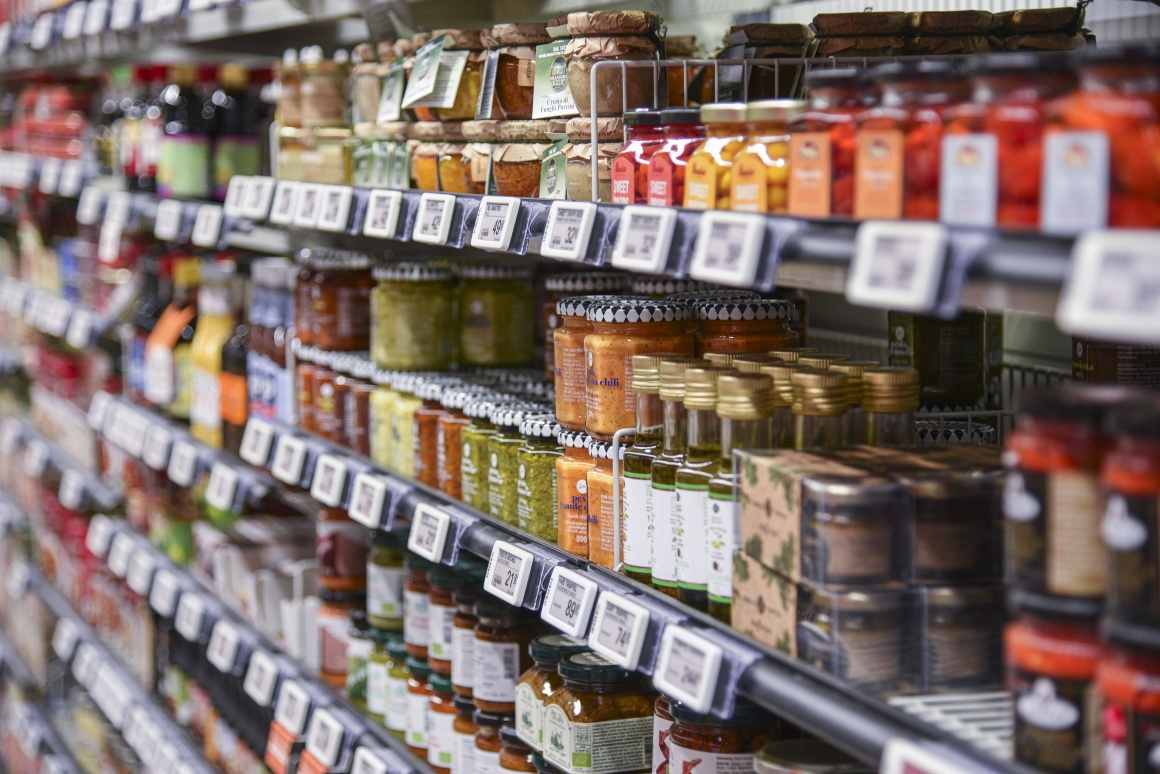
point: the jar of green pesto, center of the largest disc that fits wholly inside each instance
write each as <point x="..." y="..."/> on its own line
<point x="496" y="307"/>
<point x="475" y="461"/>
<point x="382" y="400"/>
<point x="413" y="317"/>
<point x="377" y="666"/>
<point x="402" y="422"/>
<point x="398" y="674"/>
<point x="503" y="466"/>
<point x="386" y="575"/>
<point x="536" y="491"/>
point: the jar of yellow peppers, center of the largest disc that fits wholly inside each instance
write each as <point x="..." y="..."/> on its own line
<point x="761" y="171"/>
<point x="710" y="171"/>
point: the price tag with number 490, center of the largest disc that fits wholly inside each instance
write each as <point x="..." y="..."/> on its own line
<point x="568" y="230"/>
<point x="728" y="247"/>
<point x="495" y="221"/>
<point x="433" y="225"/>
<point x="687" y="668"/>
<point x="569" y="602"/>
<point x="429" y="528"/>
<point x="618" y="629"/>
<point x="897" y="265"/>
<point x="1113" y="291"/>
<point x="508" y="572"/>
<point x="643" y="239"/>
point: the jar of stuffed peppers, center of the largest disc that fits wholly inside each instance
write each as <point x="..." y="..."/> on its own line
<point x="645" y="136"/>
<point x="710" y="171"/>
<point x="666" y="172"/>
<point x="761" y="171"/>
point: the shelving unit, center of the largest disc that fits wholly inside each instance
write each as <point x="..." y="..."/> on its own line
<point x="31" y="727"/>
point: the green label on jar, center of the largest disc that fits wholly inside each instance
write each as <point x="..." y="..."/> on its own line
<point x="596" y="748"/>
<point x="551" y="94"/>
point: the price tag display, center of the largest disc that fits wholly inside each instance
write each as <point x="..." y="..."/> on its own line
<point x="495" y="221"/>
<point x="98" y="535"/>
<point x="429" y="528"/>
<point x="902" y="756"/>
<point x="897" y="265"/>
<point x="293" y="704"/>
<point x="10" y="435"/>
<point x="222" y="487"/>
<point x="134" y="427"/>
<point x="728" y="247"/>
<point x="289" y="460"/>
<point x="329" y="483"/>
<point x="368" y="500"/>
<point x="687" y="668"/>
<point x="618" y="629"/>
<point x="261" y="678"/>
<point x="236" y="196"/>
<point x="508" y="572"/>
<point x="119" y="553"/>
<point x="80" y="329"/>
<point x="17" y="580"/>
<point x="1113" y="291"/>
<point x="309" y="206"/>
<point x="99" y="410"/>
<point x="335" y="210"/>
<point x="24" y="170"/>
<point x="167" y="222"/>
<point x="569" y="602"/>
<point x="74" y="20"/>
<point x="183" y="460"/>
<point x="41" y="36"/>
<point x="5" y="37"/>
<point x="259" y="195"/>
<point x="89" y="206"/>
<point x="207" y="228"/>
<point x="120" y="694"/>
<point x="222" y="650"/>
<point x="257" y="441"/>
<point x="86" y="662"/>
<point x="163" y="595"/>
<point x="433" y="224"/>
<point x="122" y="15"/>
<point x="568" y="231"/>
<point x="190" y="616"/>
<point x="366" y="761"/>
<point x="168" y="755"/>
<point x="382" y="218"/>
<point x="643" y="239"/>
<point x="49" y="175"/>
<point x="65" y="638"/>
<point x="285" y="203"/>
<point x="119" y="207"/>
<point x="57" y="314"/>
<point x="36" y="454"/>
<point x="158" y="439"/>
<point x="72" y="490"/>
<point x="141" y="567"/>
<point x="324" y="740"/>
<point x="109" y="241"/>
<point x="17" y="298"/>
<point x="72" y="175"/>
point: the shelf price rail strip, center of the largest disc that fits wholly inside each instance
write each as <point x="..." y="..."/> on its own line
<point x="63" y="318"/>
<point x="31" y="726"/>
<point x="78" y="487"/>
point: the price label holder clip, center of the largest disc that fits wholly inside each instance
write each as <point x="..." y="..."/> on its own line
<point x="291" y="459"/>
<point x="627" y="629"/>
<point x="169" y="220"/>
<point x="261" y="678"/>
<point x="334" y="213"/>
<point x="569" y="230"/>
<point x="1113" y="290"/>
<point x="221" y="491"/>
<point x="898" y="265"/>
<point x="184" y="463"/>
<point x="158" y="440"/>
<point x="234" y="203"/>
<point x="569" y="601"/>
<point x="437" y="219"/>
<point x="207" y="227"/>
<point x="259" y="196"/>
<point x="701" y="667"/>
<point x="309" y="206"/>
<point x="164" y="594"/>
<point x="644" y="239"/>
<point x="285" y="204"/>
<point x="496" y="221"/>
<point x="430" y="528"/>
<point x="224" y="647"/>
<point x="257" y="442"/>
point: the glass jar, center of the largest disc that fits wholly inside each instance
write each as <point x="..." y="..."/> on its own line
<point x="855" y="416"/>
<point x="601" y="526"/>
<point x="500" y="654"/>
<point x="358" y="654"/>
<point x="611" y="36"/>
<point x="441" y="717"/>
<point x="386" y="576"/>
<point x="890" y="400"/>
<point x="398" y="674"/>
<point x="476" y="155"/>
<point x="541" y="682"/>
<point x="417" y="606"/>
<point x="487" y="744"/>
<point x="471" y="82"/>
<point x="602" y="710"/>
<point x="743" y="325"/>
<point x="956" y="535"/>
<point x="860" y="637"/>
<point x="402" y="423"/>
<point x="805" y="756"/>
<point x="328" y="156"/>
<point x="962" y="638"/>
<point x="334" y="634"/>
<point x="761" y="171"/>
<point x="1128" y="677"/>
<point x="449" y="440"/>
<point x="645" y="136"/>
<point x="496" y="304"/>
<point x="503" y="463"/>
<point x="684" y="133"/>
<point x="850" y="530"/>
<point x="340" y="298"/>
<point x="709" y="176"/>
<point x="463" y="641"/>
<point x="900" y="141"/>
<point x="721" y="744"/>
<point x="452" y="178"/>
<point x="413" y="311"/>
<point x="444" y="582"/>
<point x="819" y="409"/>
<point x="304" y="375"/>
<point x="425" y="166"/>
<point x="662" y="725"/>
<point x="514" y="754"/>
<point x="323" y="93"/>
<point x="822" y="142"/>
<point x="515" y="73"/>
<point x="378" y="665"/>
<point x="562" y="286"/>
<point x="341" y="551"/>
<point x="536" y="493"/>
<point x="516" y="158"/>
<point x="289" y="75"/>
<point x="820" y="360"/>
<point x="426" y="465"/>
<point x="303" y="305"/>
<point x="463" y="755"/>
<point x="418" y="700"/>
<point x="572" y="492"/>
<point x="327" y="384"/>
<point x="357" y="413"/>
<point x="475" y="463"/>
<point x="569" y="363"/>
<point x="382" y="399"/>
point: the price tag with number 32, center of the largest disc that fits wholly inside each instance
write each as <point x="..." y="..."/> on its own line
<point x="897" y="265"/>
<point x="568" y="230"/>
<point x="1113" y="291"/>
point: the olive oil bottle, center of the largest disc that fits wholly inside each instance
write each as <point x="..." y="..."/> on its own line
<point x="636" y="503"/>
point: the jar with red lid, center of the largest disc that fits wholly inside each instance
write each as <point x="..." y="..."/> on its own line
<point x="684" y="133"/>
<point x="559" y="287"/>
<point x="341" y="550"/>
<point x="719" y="745"/>
<point x="334" y="633"/>
<point x="340" y="298"/>
<point x="1128" y="678"/>
<point x="500" y="654"/>
<point x="822" y="142"/>
<point x="644" y="137"/>
<point x="1102" y="144"/>
<point x="899" y="142"/>
<point x="743" y="325"/>
<point x="417" y="606"/>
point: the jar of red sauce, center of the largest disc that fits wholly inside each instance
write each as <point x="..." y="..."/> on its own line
<point x="341" y="549"/>
<point x="684" y="133"/>
<point x="340" y="298"/>
<point x="306" y="373"/>
<point x="1128" y="680"/>
<point x="899" y="142"/>
<point x="559" y="287"/>
<point x="426" y="439"/>
<point x="743" y="325"/>
<point x="644" y="137"/>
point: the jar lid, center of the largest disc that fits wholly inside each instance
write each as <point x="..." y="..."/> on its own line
<point x="552" y="647"/>
<point x="510" y="415"/>
<point x="821" y="360"/>
<point x="607" y="129"/>
<point x="540" y="426"/>
<point x="1126" y="634"/>
<point x="590" y="667"/>
<point x="752" y="364"/>
<point x="990" y="597"/>
<point x="432" y="390"/>
<point x="806" y="756"/>
<point x="791" y="354"/>
<point x="838" y="77"/>
<point x="1135" y="421"/>
<point x="509" y="738"/>
<point x="522" y="34"/>
<point x="613" y="23"/>
<point x="1074" y="404"/>
<point x="382" y="637"/>
<point x="745" y="396"/>
<point x="681" y="116"/>
<point x="492" y="609"/>
<point x="819" y="393"/>
<point x="889" y="389"/>
<point x="575" y="439"/>
<point x="602" y="450"/>
<point x="744" y="715"/>
<point x="774" y="109"/>
<point x="683" y="46"/>
<point x="480" y="407"/>
<point x="764" y="33"/>
<point x="667" y="286"/>
<point x="342" y="597"/>
<point x="343" y="261"/>
<point x="416" y="563"/>
<point x="728" y="294"/>
<point x="413" y="272"/>
<point x="672" y="376"/>
<point x="723" y="113"/>
<point x="397" y="648"/>
<point x="458" y="396"/>
<point x="358" y="621"/>
<point x="480" y="130"/>
<point x="736" y="311"/>
<point x="491" y="720"/>
<point x="493" y="271"/>
<point x="461" y="40"/>
<point x="927" y="69"/>
<point x="647" y="117"/>
<point x="577" y="306"/>
<point x="464" y="704"/>
<point x="1084" y="611"/>
<point x="395" y="130"/>
<point x="418" y="667"/>
<point x="637" y="310"/>
<point x="941" y="432"/>
<point x="880" y="600"/>
<point x="587" y="282"/>
<point x="853" y="369"/>
<point x="542" y="766"/>
<point x="441" y="683"/>
<point x="522" y="131"/>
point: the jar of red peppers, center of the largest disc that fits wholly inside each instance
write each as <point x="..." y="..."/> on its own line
<point x="645" y="136"/>
<point x="900" y="140"/>
<point x="761" y="172"/>
<point x="684" y="133"/>
<point x="426" y="432"/>
<point x="822" y="142"/>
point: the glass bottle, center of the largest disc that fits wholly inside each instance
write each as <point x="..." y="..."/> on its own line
<point x="183" y="164"/>
<point x="237" y="148"/>
<point x="708" y="177"/>
<point x="156" y="291"/>
<point x="167" y="350"/>
<point x="684" y="133"/>
<point x="890" y="400"/>
<point x="783" y="419"/>
<point x="645" y="137"/>
<point x="855" y="390"/>
<point x="235" y="408"/>
<point x="636" y="518"/>
<point x="215" y="325"/>
<point x="761" y="171"/>
<point x="819" y="409"/>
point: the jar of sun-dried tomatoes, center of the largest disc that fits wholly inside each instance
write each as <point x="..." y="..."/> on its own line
<point x="645" y="137"/>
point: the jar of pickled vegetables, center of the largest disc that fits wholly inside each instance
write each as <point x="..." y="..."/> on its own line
<point x="476" y="155"/>
<point x="645" y="136"/>
<point x="666" y="171"/>
<point x="761" y="171"/>
<point x="709" y="176"/>
<point x="413" y="314"/>
<point x="516" y="158"/>
<point x="515" y="74"/>
<point x="448" y="437"/>
<point x="743" y="325"/>
<point x="474" y="465"/>
<point x="822" y="142"/>
<point x="503" y="465"/>
<point x="495" y="304"/>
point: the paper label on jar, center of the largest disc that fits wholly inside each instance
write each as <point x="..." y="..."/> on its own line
<point x="551" y="92"/>
<point x="441" y="627"/>
<point x="809" y="174"/>
<point x="684" y="759"/>
<point x="692" y="537"/>
<point x="553" y="180"/>
<point x="526" y="72"/>
<point x="660" y="743"/>
<point x="485" y="762"/>
<point x="749" y="189"/>
<point x="440" y="738"/>
<point x="462" y="657"/>
<point x="596" y="748"/>
<point x="463" y="757"/>
<point x="416" y="618"/>
<point x="396" y="717"/>
<point x="377" y="688"/>
<point x="529" y="711"/>
<point x="623" y="181"/>
<point x="701" y="183"/>
<point x="391" y="98"/>
<point x="1075" y="182"/>
<point x="385" y="590"/>
<point x="159" y="382"/>
<point x="636" y="517"/>
<point x="969" y="180"/>
<point x="722" y="515"/>
<point x="660" y="180"/>
<point x="878" y="181"/>
<point x="205" y="407"/>
<point x="479" y="164"/>
<point x="1075" y="565"/>
<point x="497" y="667"/>
<point x="1056" y="723"/>
<point x="416" y="720"/>
<point x="664" y="542"/>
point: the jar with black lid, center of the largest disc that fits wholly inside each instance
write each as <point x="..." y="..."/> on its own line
<point x="540" y="683"/>
<point x="487" y="744"/>
<point x="719" y="745"/>
<point x="514" y="754"/>
<point x="500" y="654"/>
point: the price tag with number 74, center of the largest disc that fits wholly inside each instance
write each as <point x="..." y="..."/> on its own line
<point x="1113" y="291"/>
<point x="618" y="629"/>
<point x="898" y="265"/>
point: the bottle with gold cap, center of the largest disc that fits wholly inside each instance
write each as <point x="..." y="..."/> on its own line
<point x="821" y="360"/>
<point x="692" y="497"/>
<point x="819" y="408"/>
<point x="745" y="406"/>
<point x="791" y="354"/>
<point x="782" y="375"/>
<point x="855" y="417"/>
<point x="663" y="473"/>
<point x="752" y="364"/>
<point x="183" y="163"/>
<point x="890" y="398"/>
<point x="636" y="500"/>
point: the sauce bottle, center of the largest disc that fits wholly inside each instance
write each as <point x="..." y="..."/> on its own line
<point x="215" y="325"/>
<point x="167" y="350"/>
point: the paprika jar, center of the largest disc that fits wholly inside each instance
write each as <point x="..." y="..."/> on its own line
<point x="761" y="171"/>
<point x="601" y="531"/>
<point x="1128" y="677"/>
<point x="496" y="304"/>
<point x="413" y="317"/>
<point x="743" y="325"/>
<point x="684" y="133"/>
<point x="612" y="36"/>
<point x="709" y="176"/>
<point x="539" y="683"/>
<point x="441" y="716"/>
<point x="572" y="492"/>
<point x="573" y="283"/>
<point x="622" y="328"/>
<point x="516" y="158"/>
<point x="645" y="136"/>
<point x="719" y="745"/>
<point x="485" y="756"/>
<point x="386" y="576"/>
<point x="418" y="699"/>
<point x="463" y="641"/>
<point x="500" y="654"/>
<point x="514" y="754"/>
<point x="417" y="606"/>
<point x="570" y="367"/>
<point x="426" y="429"/>
<point x="444" y="582"/>
<point x="448" y="437"/>
<point x="515" y="74"/>
<point x="341" y="551"/>
<point x="340" y="298"/>
<point x="822" y="142"/>
<point x="536" y="494"/>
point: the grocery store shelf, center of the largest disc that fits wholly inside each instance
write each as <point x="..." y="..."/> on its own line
<point x="65" y="318"/>
<point x="78" y="487"/>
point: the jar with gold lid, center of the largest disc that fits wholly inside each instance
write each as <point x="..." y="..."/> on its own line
<point x="855" y="416"/>
<point x="516" y="73"/>
<point x="611" y="36"/>
<point x="819" y="408"/>
<point x="890" y="400"/>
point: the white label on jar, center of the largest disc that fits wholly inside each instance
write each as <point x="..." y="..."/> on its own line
<point x="385" y="591"/>
<point x="416" y="721"/>
<point x="722" y="515"/>
<point x="660" y="744"/>
<point x="596" y="748"/>
<point x="692" y="537"/>
<point x="396" y="717"/>
<point x="462" y="657"/>
<point x="440" y="738"/>
<point x="497" y="666"/>
<point x="664" y="542"/>
<point x="529" y="709"/>
<point x="486" y="762"/>
<point x="416" y="618"/>
<point x="205" y="408"/>
<point x="969" y="182"/>
<point x="637" y="520"/>
<point x="709" y="763"/>
<point x="334" y="638"/>
<point x="159" y="385"/>
<point x="377" y="687"/>
<point x="442" y="624"/>
<point x="1075" y="182"/>
<point x="463" y="758"/>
